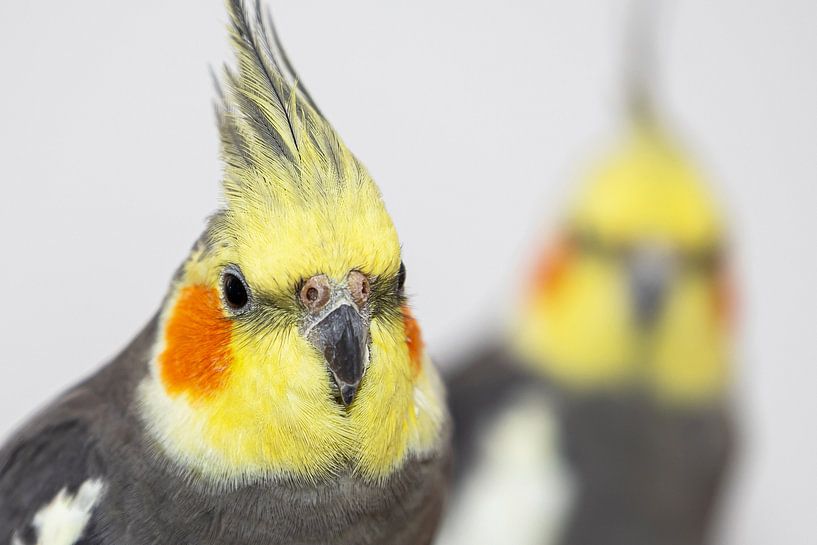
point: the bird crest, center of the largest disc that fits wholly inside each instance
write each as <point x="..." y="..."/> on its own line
<point x="289" y="180"/>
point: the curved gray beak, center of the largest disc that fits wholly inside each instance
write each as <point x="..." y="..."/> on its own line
<point x="651" y="271"/>
<point x="342" y="337"/>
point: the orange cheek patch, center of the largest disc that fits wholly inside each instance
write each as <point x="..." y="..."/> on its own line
<point x="414" y="340"/>
<point x="552" y="267"/>
<point x="725" y="298"/>
<point x="197" y="351"/>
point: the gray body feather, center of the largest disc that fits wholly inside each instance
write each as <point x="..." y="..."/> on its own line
<point x="642" y="474"/>
<point x="94" y="431"/>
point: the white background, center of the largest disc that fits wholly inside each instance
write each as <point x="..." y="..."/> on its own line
<point x="473" y="117"/>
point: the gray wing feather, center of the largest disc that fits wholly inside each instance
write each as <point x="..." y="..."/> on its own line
<point x="52" y="453"/>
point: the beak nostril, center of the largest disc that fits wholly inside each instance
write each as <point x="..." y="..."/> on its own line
<point x="359" y="287"/>
<point x="315" y="292"/>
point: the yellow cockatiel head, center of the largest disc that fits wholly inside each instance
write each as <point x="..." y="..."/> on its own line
<point x="634" y="290"/>
<point x="285" y="347"/>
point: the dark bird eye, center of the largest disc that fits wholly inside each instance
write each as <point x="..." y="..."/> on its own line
<point x="401" y="278"/>
<point x="235" y="292"/>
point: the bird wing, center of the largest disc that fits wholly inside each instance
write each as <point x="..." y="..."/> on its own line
<point x="50" y="480"/>
<point x="479" y="386"/>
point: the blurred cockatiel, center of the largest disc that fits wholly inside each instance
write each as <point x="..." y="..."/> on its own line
<point x="282" y="394"/>
<point x="603" y="417"/>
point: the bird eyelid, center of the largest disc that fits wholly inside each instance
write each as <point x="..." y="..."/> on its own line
<point x="226" y="283"/>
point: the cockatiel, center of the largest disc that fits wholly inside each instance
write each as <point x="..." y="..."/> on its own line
<point x="282" y="394"/>
<point x="603" y="415"/>
<point x="608" y="402"/>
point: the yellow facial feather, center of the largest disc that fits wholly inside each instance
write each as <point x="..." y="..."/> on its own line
<point x="278" y="247"/>
<point x="277" y="415"/>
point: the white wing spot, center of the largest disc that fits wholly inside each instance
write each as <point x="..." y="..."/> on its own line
<point x="519" y="490"/>
<point x="63" y="521"/>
